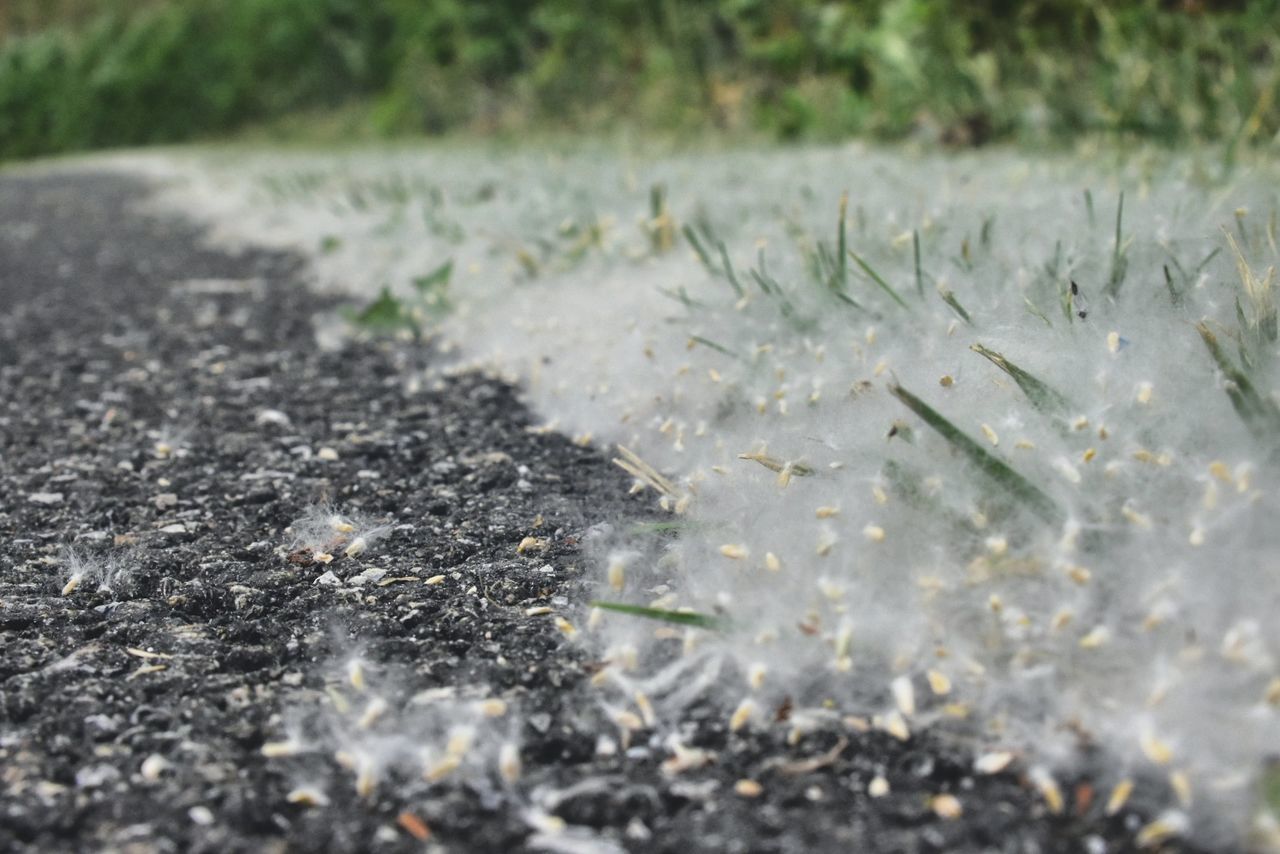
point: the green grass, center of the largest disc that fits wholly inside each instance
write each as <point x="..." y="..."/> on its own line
<point x="999" y="473"/>
<point x="78" y="74"/>
<point x="679" y="618"/>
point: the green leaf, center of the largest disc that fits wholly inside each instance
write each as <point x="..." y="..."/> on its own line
<point x="436" y="280"/>
<point x="997" y="470"/>
<point x="679" y="618"/>
<point x="1260" y="415"/>
<point x="875" y="277"/>
<point x="1041" y="395"/>
<point x="385" y="314"/>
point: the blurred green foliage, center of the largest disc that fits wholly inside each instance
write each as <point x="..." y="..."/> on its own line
<point x="78" y="74"/>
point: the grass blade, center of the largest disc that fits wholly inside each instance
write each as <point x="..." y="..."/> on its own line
<point x="703" y="256"/>
<point x="915" y="248"/>
<point x="728" y="272"/>
<point x="1260" y="416"/>
<point x="842" y="243"/>
<point x="950" y="299"/>
<point x="1119" y="263"/>
<point x="1041" y="395"/>
<point x="997" y="470"/>
<point x="679" y="618"/>
<point x="875" y="277"/>
<point x="707" y="342"/>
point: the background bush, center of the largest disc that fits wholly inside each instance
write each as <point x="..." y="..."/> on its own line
<point x="79" y="74"/>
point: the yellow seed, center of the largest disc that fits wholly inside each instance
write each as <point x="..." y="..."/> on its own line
<point x="1113" y="342"/>
<point x="72" y="583"/>
<point x="307" y="797"/>
<point x="997" y="545"/>
<point x="366" y="779"/>
<point x="278" y="749"/>
<point x="756" y="675"/>
<point x="734" y="552"/>
<point x="748" y="788"/>
<point x="771" y="562"/>
<point x="1196" y="537"/>
<point x="376" y="708"/>
<point x="435" y="579"/>
<point x="566" y="628"/>
<point x="537" y="611"/>
<point x="442" y="769"/>
<point x="939" y="683"/>
<point x="493" y="708"/>
<point x="1079" y="574"/>
<point x="1273" y="692"/>
<point x="879" y="494"/>
<point x="1095" y="638"/>
<point x="1144" y="393"/>
<point x="995" y="603"/>
<point x="1119" y="796"/>
<point x="1219" y="470"/>
<point x="1156" y="750"/>
<point x="1049" y="790"/>
<point x="617" y="575"/>
<point x="992" y="763"/>
<point x="878" y="788"/>
<point x="947" y="807"/>
<point x="874" y="533"/>
<point x="742" y="715"/>
<point x="1062" y="619"/>
<point x="322" y="557"/>
<point x="1140" y="520"/>
<point x="355" y="674"/>
<point x="991" y="435"/>
<point x="946" y="381"/>
<point x="460" y="740"/>
<point x="894" y="724"/>
<point x="532" y="544"/>
<point x="1181" y="785"/>
<point x="1165" y="827"/>
<point x="826" y="512"/>
<point x="1089" y="454"/>
<point x="509" y="765"/>
<point x="646" y="708"/>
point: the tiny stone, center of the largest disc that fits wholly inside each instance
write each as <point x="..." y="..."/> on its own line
<point x="153" y="766"/>
<point x="328" y="579"/>
<point x="271" y="417"/>
<point x="175" y="528"/>
<point x="165" y="500"/>
<point x="46" y="498"/>
<point x="201" y="815"/>
<point x="327" y="454"/>
<point x="93" y="776"/>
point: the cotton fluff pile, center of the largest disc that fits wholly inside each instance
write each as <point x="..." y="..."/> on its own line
<point x="972" y="437"/>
